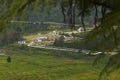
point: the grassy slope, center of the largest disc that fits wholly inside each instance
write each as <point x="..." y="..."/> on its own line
<point x="40" y="64"/>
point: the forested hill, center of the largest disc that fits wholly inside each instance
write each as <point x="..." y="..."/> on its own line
<point x="55" y="15"/>
<point x="39" y="14"/>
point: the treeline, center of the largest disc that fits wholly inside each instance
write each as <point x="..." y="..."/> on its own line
<point x="9" y="36"/>
<point x="15" y="32"/>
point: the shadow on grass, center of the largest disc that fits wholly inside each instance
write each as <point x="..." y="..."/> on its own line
<point x="55" y="53"/>
<point x="63" y="54"/>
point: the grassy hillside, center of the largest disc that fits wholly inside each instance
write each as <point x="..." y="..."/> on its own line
<point x="40" y="64"/>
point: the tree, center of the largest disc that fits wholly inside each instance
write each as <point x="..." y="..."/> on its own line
<point x="109" y="29"/>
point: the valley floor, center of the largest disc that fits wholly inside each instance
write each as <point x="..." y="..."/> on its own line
<point x="42" y="64"/>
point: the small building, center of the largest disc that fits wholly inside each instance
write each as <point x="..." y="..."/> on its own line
<point x="39" y="39"/>
<point x="22" y="42"/>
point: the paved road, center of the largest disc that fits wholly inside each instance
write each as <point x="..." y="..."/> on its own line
<point x="57" y="48"/>
<point x="74" y="50"/>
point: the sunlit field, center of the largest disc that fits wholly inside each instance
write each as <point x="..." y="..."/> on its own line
<point x="40" y="64"/>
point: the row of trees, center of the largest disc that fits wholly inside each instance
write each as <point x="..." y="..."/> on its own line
<point x="11" y="35"/>
<point x="15" y="32"/>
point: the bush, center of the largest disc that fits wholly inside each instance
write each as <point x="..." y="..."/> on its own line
<point x="9" y="59"/>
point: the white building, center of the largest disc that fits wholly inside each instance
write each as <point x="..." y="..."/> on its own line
<point x="22" y="42"/>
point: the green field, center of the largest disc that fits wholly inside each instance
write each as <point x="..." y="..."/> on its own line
<point x="40" y="64"/>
